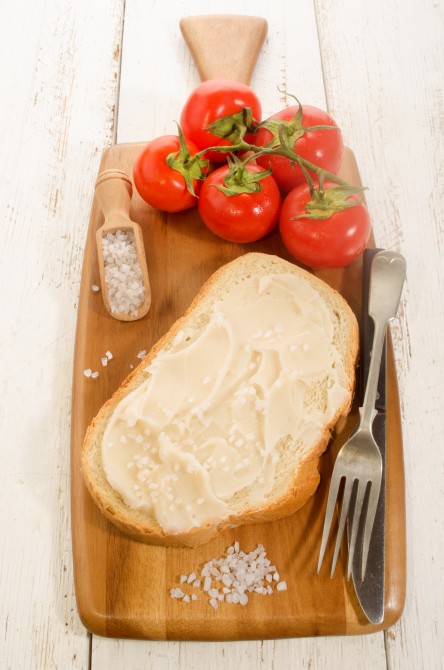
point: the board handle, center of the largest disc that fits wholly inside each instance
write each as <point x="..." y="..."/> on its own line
<point x="224" y="46"/>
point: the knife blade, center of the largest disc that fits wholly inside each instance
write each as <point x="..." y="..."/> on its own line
<point x="370" y="591"/>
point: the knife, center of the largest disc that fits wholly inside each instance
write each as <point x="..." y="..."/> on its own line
<point x="370" y="591"/>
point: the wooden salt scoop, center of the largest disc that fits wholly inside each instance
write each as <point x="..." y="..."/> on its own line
<point x="114" y="191"/>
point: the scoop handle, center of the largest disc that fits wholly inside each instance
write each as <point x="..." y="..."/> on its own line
<point x="224" y="46"/>
<point x="114" y="191"/>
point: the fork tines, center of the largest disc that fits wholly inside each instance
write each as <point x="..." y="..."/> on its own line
<point x="359" y="503"/>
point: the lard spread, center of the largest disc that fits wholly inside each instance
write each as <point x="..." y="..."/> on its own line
<point x="206" y="424"/>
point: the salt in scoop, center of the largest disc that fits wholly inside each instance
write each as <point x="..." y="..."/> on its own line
<point x="114" y="191"/>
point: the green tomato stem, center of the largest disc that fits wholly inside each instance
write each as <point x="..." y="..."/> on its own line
<point x="279" y="151"/>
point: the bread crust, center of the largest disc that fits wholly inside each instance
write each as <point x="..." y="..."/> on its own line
<point x="136" y="523"/>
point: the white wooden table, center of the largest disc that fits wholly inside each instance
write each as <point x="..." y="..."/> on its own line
<point x="78" y="75"/>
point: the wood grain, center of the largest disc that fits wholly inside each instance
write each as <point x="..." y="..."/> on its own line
<point x="122" y="585"/>
<point x="223" y="45"/>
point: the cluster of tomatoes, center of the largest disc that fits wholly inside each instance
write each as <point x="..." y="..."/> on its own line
<point x="281" y="171"/>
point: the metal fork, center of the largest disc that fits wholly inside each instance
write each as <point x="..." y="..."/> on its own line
<point x="359" y="460"/>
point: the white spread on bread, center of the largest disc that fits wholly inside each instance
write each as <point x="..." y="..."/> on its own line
<point x="207" y="422"/>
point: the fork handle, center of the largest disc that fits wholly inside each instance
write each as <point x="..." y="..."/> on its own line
<point x="368" y="410"/>
<point x="386" y="281"/>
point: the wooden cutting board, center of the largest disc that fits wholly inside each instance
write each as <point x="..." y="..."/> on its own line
<point x="122" y="586"/>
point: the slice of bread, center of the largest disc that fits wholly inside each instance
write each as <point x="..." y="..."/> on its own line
<point x="295" y="475"/>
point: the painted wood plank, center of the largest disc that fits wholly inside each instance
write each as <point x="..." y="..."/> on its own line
<point x="383" y="67"/>
<point x="58" y="90"/>
<point x="303" y="654"/>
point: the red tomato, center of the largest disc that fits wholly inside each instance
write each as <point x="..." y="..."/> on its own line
<point x="159" y="184"/>
<point x="331" y="242"/>
<point x="322" y="147"/>
<point x="244" y="217"/>
<point x="213" y="100"/>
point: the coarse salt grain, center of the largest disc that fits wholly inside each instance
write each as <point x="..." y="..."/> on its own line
<point x="109" y="355"/>
<point x="94" y="375"/>
<point x="104" y="361"/>
<point x="95" y="288"/>
<point x="141" y="354"/>
<point x="123" y="274"/>
<point x="238" y="574"/>
<point x="87" y="372"/>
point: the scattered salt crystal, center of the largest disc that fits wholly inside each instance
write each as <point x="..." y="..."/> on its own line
<point x="141" y="354"/>
<point x="109" y="355"/>
<point x="94" y="375"/>
<point x="95" y="288"/>
<point x="226" y="580"/>
<point x="87" y="372"/>
<point x="194" y="597"/>
<point x="186" y="599"/>
<point x="104" y="361"/>
<point x="239" y="574"/>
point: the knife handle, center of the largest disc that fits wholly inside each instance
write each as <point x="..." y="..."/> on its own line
<point x="367" y="332"/>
